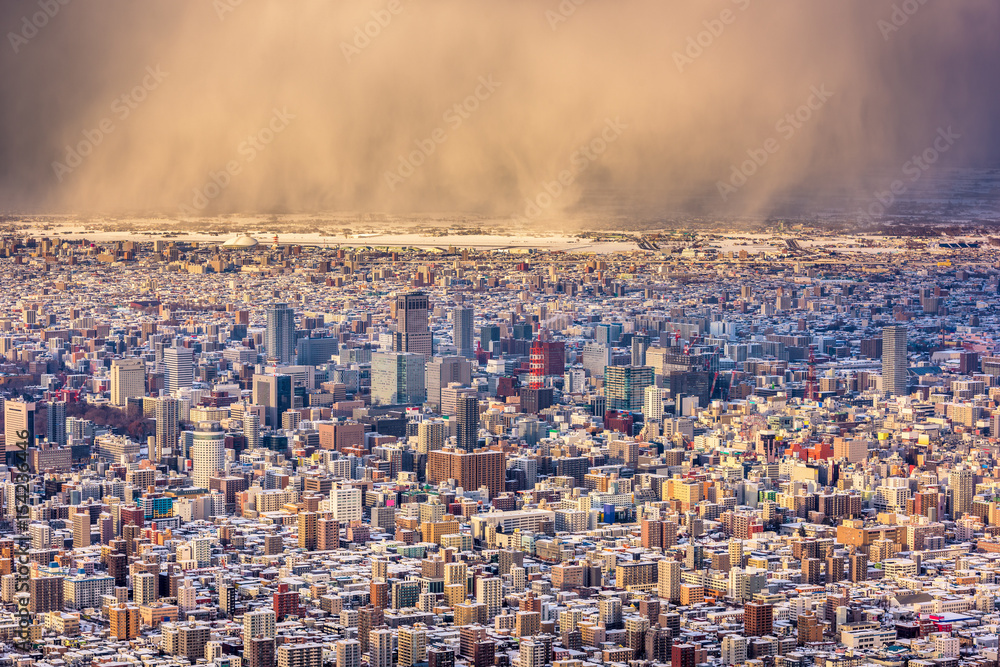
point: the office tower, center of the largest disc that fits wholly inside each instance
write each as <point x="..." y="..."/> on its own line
<point x="625" y="386"/>
<point x="179" y="364"/>
<point x="315" y="351"/>
<point x="488" y="334"/>
<point x="81" y="530"/>
<point x="251" y="429"/>
<point x="640" y="343"/>
<point x="380" y="641"/>
<point x="55" y="420"/>
<point x="652" y="404"/>
<point x="962" y="482"/>
<point x="168" y="428"/>
<point x="595" y="358"/>
<point x="757" y="619"/>
<point x="442" y="371"/>
<point x="470" y="470"/>
<point x="464" y="333"/>
<point x="274" y="392"/>
<point x="124" y="621"/>
<point x="412" y="333"/>
<point x="397" y="378"/>
<point x="259" y="623"/>
<point x="259" y="651"/>
<point x="348" y="653"/>
<point x="279" y="337"/>
<point x="553" y="357"/>
<point x="894" y="364"/>
<point x="127" y="380"/>
<point x="19" y="428"/>
<point x="488" y="592"/>
<point x="610" y="609"/>
<point x="296" y="654"/>
<point x="412" y="645"/>
<point x="144" y="588"/>
<point x="307" y="529"/>
<point x="208" y="452"/>
<point x="468" y="423"/>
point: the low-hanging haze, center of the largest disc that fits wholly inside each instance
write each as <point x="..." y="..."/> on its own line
<point x="687" y="88"/>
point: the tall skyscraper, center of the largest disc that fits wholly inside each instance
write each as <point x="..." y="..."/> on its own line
<point x="398" y="378"/>
<point x="441" y="371"/>
<point x="625" y="386"/>
<point x="208" y="453"/>
<point x="468" y="422"/>
<point x="251" y="429"/>
<point x="274" y="392"/>
<point x="19" y="427"/>
<point x="127" y="380"/>
<point x="55" y="420"/>
<point x="279" y="337"/>
<point x="412" y="332"/>
<point x="464" y="333"/>
<point x="179" y="364"/>
<point x="167" y="428"/>
<point x="894" y="365"/>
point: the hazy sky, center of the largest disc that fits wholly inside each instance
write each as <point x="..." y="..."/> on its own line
<point x="483" y="106"/>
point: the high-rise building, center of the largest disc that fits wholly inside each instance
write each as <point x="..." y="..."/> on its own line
<point x="470" y="470"/>
<point x="625" y="386"/>
<point x="610" y="609"/>
<point x="274" y="392"/>
<point x="348" y="653"/>
<point x="144" y="588"/>
<point x="259" y="651"/>
<point x="412" y="333"/>
<point x="179" y="364"/>
<point x="640" y="343"/>
<point x="669" y="579"/>
<point x="380" y="641"/>
<point x="682" y="655"/>
<point x="488" y="592"/>
<point x="758" y="619"/>
<point x="167" y="428"/>
<point x="962" y="482"/>
<point x="279" y="337"/>
<point x="127" y="380"/>
<point x="55" y="421"/>
<point x="441" y="371"/>
<point x="894" y="364"/>
<point x="259" y="623"/>
<point x="398" y="378"/>
<point x="299" y="654"/>
<point x="251" y="428"/>
<point x="464" y="332"/>
<point x="653" y="401"/>
<point x="124" y="621"/>
<point x="208" y="452"/>
<point x="531" y="653"/>
<point x="412" y="645"/>
<point x="45" y="594"/>
<point x="19" y="427"/>
<point x="307" y="529"/>
<point x="81" y="530"/>
<point x="468" y="422"/>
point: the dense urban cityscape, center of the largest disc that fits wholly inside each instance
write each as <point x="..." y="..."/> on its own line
<point x="261" y="454"/>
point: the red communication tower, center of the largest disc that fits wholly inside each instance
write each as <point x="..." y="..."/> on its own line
<point x="537" y="377"/>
